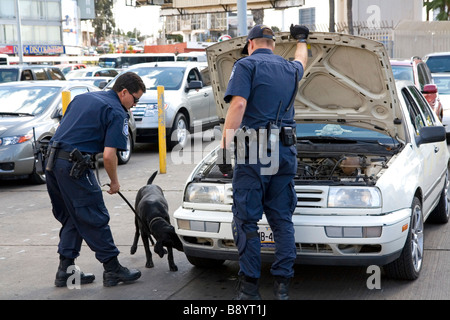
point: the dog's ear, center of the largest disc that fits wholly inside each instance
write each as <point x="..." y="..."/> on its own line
<point x="159" y="249"/>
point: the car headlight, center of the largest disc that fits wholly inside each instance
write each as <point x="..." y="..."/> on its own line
<point x="6" y="141"/>
<point x="354" y="197"/>
<point x="204" y="193"/>
<point x="151" y="110"/>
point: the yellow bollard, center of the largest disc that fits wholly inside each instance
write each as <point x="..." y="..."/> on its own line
<point x="65" y="101"/>
<point x="161" y="130"/>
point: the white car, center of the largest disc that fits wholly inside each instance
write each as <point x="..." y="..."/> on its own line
<point x="372" y="164"/>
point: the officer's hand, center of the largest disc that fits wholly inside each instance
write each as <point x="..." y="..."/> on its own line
<point x="113" y="188"/>
<point x="300" y="33"/>
<point x="224" y="162"/>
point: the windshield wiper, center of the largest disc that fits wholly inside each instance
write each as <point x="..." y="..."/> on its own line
<point x="325" y="139"/>
<point x="19" y="114"/>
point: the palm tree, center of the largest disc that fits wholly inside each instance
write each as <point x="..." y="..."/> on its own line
<point x="442" y="5"/>
<point x="350" y="16"/>
<point x="332" y="22"/>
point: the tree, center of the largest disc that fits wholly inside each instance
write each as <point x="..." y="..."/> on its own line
<point x="442" y="5"/>
<point x="104" y="22"/>
<point x="258" y="15"/>
<point x="350" y="16"/>
<point x="332" y="22"/>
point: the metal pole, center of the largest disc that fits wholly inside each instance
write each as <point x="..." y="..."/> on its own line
<point x="161" y="130"/>
<point x="242" y="17"/>
<point x="19" y="33"/>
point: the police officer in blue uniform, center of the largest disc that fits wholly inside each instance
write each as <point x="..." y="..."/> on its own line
<point x="261" y="92"/>
<point x="94" y="122"/>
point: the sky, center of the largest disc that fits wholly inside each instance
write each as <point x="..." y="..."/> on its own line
<point x="144" y="19"/>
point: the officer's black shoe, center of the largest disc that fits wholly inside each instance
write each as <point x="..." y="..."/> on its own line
<point x="62" y="275"/>
<point x="281" y="288"/>
<point x="247" y="289"/>
<point x="115" y="273"/>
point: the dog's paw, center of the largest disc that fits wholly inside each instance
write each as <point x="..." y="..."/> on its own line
<point x="149" y="264"/>
<point x="173" y="268"/>
<point x="133" y="249"/>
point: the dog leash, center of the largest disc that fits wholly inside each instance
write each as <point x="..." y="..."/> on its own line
<point x="132" y="209"/>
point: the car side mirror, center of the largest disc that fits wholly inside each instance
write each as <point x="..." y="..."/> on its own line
<point x="430" y="88"/>
<point x="102" y="84"/>
<point x="194" y="85"/>
<point x="57" y="114"/>
<point x="431" y="134"/>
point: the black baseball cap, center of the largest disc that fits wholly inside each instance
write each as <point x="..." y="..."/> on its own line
<point x="258" y="31"/>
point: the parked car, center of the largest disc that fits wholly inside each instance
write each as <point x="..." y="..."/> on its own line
<point x="67" y="67"/>
<point x="442" y="81"/>
<point x="372" y="164"/>
<point x="133" y="41"/>
<point x="438" y="61"/>
<point x="29" y="72"/>
<point x="417" y="71"/>
<point x="30" y="111"/>
<point x="188" y="101"/>
<point x="100" y="82"/>
<point x="93" y="72"/>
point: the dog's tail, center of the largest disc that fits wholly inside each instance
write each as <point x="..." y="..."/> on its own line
<point x="150" y="180"/>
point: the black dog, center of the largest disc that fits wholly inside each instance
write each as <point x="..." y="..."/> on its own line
<point x="152" y="219"/>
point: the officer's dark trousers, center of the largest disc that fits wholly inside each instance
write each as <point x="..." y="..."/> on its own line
<point x="78" y="205"/>
<point x="255" y="193"/>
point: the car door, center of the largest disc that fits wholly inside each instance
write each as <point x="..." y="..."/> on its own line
<point x="433" y="154"/>
<point x="213" y="117"/>
<point x="198" y="99"/>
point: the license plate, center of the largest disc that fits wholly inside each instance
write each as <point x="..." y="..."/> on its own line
<point x="266" y="237"/>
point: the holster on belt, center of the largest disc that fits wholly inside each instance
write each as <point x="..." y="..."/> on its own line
<point x="51" y="155"/>
<point x="80" y="163"/>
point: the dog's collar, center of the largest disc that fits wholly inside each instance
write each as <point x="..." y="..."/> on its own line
<point x="154" y="220"/>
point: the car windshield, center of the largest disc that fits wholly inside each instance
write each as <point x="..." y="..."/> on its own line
<point x="27" y="100"/>
<point x="438" y="64"/>
<point x="169" y="77"/>
<point x="443" y="84"/>
<point x="335" y="132"/>
<point x="8" y="75"/>
<point x="403" y="73"/>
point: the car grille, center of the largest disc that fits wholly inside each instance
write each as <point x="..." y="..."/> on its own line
<point x="311" y="197"/>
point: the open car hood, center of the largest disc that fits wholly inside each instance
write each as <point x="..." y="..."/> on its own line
<point x="347" y="79"/>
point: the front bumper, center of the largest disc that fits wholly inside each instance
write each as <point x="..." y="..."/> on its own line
<point x="313" y="244"/>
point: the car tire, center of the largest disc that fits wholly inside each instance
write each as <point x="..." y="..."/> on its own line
<point x="441" y="213"/>
<point x="36" y="178"/>
<point x="409" y="264"/>
<point x="179" y="135"/>
<point x="204" y="262"/>
<point x="124" y="156"/>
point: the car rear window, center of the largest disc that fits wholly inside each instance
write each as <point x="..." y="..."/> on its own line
<point x="439" y="63"/>
<point x="8" y="75"/>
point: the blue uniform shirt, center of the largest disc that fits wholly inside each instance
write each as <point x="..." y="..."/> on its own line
<point x="264" y="79"/>
<point x="93" y="121"/>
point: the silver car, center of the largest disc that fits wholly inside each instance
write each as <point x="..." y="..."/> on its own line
<point x="30" y="111"/>
<point x="188" y="101"/>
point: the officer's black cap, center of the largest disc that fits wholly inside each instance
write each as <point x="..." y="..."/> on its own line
<point x="258" y="31"/>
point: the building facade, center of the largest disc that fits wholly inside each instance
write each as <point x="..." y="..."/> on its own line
<point x="47" y="27"/>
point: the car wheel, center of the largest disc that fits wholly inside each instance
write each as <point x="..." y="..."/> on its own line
<point x="124" y="156"/>
<point x="441" y="213"/>
<point x="409" y="264"/>
<point x="179" y="134"/>
<point x="36" y="178"/>
<point x="204" y="262"/>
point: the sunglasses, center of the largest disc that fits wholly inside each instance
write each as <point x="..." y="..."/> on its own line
<point x="136" y="100"/>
